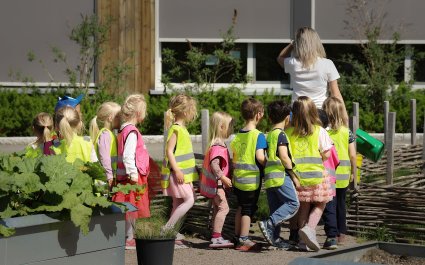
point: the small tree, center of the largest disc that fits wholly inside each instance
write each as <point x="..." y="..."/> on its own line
<point x="201" y="69"/>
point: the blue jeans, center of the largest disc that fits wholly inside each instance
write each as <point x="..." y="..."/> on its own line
<point x="283" y="203"/>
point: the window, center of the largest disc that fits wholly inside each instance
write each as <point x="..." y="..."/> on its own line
<point x="339" y="53"/>
<point x="267" y="68"/>
<point x="419" y="63"/>
<point x="181" y="48"/>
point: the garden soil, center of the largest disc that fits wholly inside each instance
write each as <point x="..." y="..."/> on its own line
<point x="199" y="254"/>
<point x="380" y="256"/>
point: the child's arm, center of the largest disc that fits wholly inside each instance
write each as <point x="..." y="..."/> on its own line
<point x="287" y="163"/>
<point x="325" y="144"/>
<point x="129" y="156"/>
<point x="286" y="52"/>
<point x="104" y="146"/>
<point x="169" y="150"/>
<point x="261" y="157"/>
<point x="353" y="160"/>
<point x="218" y="172"/>
<point x="260" y="152"/>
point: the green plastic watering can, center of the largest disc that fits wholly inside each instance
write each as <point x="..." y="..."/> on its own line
<point x="369" y="146"/>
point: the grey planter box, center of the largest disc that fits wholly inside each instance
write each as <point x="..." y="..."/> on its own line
<point x="351" y="256"/>
<point x="41" y="239"/>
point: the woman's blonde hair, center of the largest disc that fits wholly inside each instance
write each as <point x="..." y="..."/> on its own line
<point x="308" y="47"/>
<point x="133" y="105"/>
<point x="43" y="125"/>
<point x="221" y="126"/>
<point x="335" y="110"/>
<point x="181" y="106"/>
<point x="304" y="116"/>
<point x="105" y="111"/>
<point x="68" y="122"/>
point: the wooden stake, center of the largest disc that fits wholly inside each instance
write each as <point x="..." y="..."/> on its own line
<point x="390" y="147"/>
<point x="205" y="125"/>
<point x="413" y="121"/>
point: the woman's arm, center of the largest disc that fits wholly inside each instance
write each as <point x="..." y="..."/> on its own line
<point x="334" y="90"/>
<point x="285" y="52"/>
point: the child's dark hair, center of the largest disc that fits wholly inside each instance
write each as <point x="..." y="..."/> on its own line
<point x="277" y="111"/>
<point x="323" y="118"/>
<point x="251" y="107"/>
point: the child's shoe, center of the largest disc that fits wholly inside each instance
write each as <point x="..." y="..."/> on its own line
<point x="247" y="245"/>
<point x="280" y="243"/>
<point x="220" y="242"/>
<point x="267" y="229"/>
<point x="303" y="247"/>
<point x="330" y="243"/>
<point x="130" y="244"/>
<point x="308" y="235"/>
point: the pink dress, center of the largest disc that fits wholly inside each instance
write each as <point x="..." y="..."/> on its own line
<point x="177" y="190"/>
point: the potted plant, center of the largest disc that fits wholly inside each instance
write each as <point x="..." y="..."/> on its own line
<point x="155" y="242"/>
<point x="57" y="203"/>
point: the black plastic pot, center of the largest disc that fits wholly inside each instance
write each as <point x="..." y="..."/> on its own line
<point x="155" y="251"/>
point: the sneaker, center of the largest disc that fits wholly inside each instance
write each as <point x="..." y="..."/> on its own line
<point x="267" y="229"/>
<point x="330" y="243"/>
<point x="281" y="243"/>
<point x="220" y="243"/>
<point x="130" y="244"/>
<point x="303" y="247"/>
<point x="247" y="245"/>
<point x="308" y="236"/>
<point x="180" y="237"/>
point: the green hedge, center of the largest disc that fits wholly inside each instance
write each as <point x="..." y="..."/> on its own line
<point x="17" y="110"/>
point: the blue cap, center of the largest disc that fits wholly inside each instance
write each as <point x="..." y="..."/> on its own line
<point x="68" y="101"/>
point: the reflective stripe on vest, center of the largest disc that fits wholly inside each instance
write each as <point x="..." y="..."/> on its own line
<point x="274" y="172"/>
<point x="246" y="174"/>
<point x="340" y="138"/>
<point x="78" y="149"/>
<point x="113" y="149"/>
<point x="184" y="157"/>
<point x="306" y="156"/>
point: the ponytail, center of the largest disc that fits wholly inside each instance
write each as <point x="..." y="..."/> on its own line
<point x="42" y="125"/>
<point x="47" y="134"/>
<point x="94" y="129"/>
<point x="68" y="122"/>
<point x="169" y="119"/>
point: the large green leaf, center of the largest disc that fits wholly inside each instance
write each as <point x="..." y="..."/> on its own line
<point x="28" y="183"/>
<point x="80" y="216"/>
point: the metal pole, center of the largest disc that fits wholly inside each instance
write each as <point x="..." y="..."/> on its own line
<point x="413" y="121"/>
<point x="386" y="110"/>
<point x="390" y="147"/>
<point x="205" y="125"/>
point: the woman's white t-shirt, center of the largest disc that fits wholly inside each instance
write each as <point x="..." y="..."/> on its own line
<point x="312" y="82"/>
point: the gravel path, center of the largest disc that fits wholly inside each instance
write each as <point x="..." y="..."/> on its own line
<point x="199" y="253"/>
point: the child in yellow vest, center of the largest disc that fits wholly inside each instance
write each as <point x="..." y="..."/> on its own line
<point x="178" y="169"/>
<point x="310" y="145"/>
<point x="69" y="127"/>
<point x="104" y="140"/>
<point x="279" y="179"/>
<point x="42" y="126"/>
<point x="344" y="141"/>
<point x="248" y="148"/>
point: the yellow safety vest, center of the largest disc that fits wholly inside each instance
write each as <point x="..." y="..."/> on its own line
<point x="306" y="156"/>
<point x="113" y="148"/>
<point x="184" y="157"/>
<point x="340" y="139"/>
<point x="78" y="149"/>
<point x="31" y="152"/>
<point x="246" y="174"/>
<point x="274" y="173"/>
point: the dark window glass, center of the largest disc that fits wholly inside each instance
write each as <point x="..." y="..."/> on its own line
<point x="181" y="48"/>
<point x="267" y="68"/>
<point x="419" y="63"/>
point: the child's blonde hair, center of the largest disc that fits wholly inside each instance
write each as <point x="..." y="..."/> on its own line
<point x="335" y="110"/>
<point x="68" y="122"/>
<point x="133" y="106"/>
<point x="308" y="46"/>
<point x="105" y="116"/>
<point x="42" y="125"/>
<point x="304" y="116"/>
<point x="180" y="106"/>
<point x="221" y="125"/>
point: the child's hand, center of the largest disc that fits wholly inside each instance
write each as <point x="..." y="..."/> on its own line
<point x="297" y="183"/>
<point x="179" y="176"/>
<point x="352" y="177"/>
<point x="226" y="182"/>
<point x="110" y="183"/>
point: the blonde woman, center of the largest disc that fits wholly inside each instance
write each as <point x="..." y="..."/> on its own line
<point x="69" y="127"/>
<point x="311" y="73"/>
